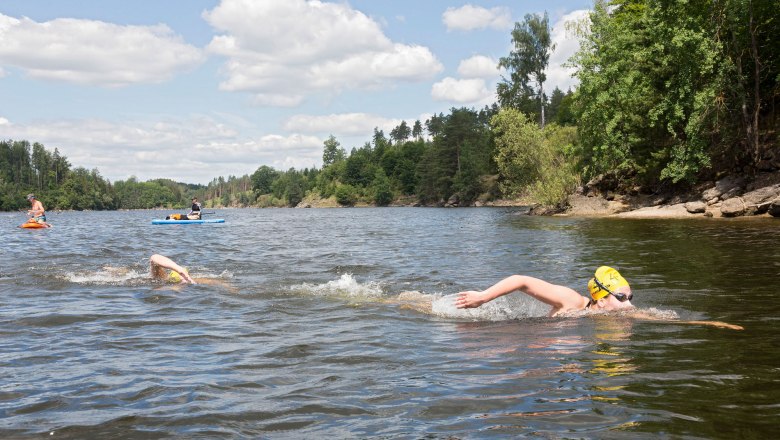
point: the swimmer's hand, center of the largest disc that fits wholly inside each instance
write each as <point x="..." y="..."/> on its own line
<point x="469" y="299"/>
<point x="186" y="278"/>
<point x="718" y="324"/>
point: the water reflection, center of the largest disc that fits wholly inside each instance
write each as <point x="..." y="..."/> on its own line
<point x="610" y="356"/>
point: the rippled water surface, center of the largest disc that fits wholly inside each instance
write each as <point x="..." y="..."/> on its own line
<point x="338" y="323"/>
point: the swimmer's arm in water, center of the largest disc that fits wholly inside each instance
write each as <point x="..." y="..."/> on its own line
<point x="200" y="281"/>
<point x="719" y="324"/>
<point x="561" y="298"/>
<point x="215" y="282"/>
<point x="157" y="261"/>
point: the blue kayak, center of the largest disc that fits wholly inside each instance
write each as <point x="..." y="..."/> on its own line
<point x="158" y="221"/>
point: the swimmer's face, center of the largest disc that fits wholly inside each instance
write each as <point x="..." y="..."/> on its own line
<point x="610" y="302"/>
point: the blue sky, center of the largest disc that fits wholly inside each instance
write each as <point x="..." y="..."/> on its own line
<point x="196" y="89"/>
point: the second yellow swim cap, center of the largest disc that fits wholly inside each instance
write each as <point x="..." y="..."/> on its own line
<point x="607" y="277"/>
<point x="174" y="276"/>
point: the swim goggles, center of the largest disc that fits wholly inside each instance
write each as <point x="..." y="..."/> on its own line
<point x="622" y="297"/>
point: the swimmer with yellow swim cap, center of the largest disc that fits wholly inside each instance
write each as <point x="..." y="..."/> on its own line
<point x="608" y="291"/>
<point x="159" y="263"/>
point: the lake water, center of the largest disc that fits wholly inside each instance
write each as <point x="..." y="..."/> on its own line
<point x="324" y="327"/>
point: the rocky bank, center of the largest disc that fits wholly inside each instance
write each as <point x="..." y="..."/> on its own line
<point x="731" y="196"/>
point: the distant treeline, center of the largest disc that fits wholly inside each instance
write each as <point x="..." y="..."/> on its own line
<point x="670" y="93"/>
<point x="31" y="168"/>
<point x="455" y="163"/>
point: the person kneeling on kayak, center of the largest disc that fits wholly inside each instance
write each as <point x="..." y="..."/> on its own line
<point x="194" y="213"/>
<point x="36" y="211"/>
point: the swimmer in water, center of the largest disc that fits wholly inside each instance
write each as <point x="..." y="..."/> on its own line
<point x="177" y="274"/>
<point x="608" y="291"/>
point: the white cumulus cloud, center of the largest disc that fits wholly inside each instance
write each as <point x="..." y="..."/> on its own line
<point x="478" y="66"/>
<point x="461" y="91"/>
<point x="193" y="150"/>
<point x="344" y="124"/>
<point x="292" y="48"/>
<point x="94" y="52"/>
<point x="469" y="18"/>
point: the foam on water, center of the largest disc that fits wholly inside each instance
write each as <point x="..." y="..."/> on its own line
<point x="107" y="275"/>
<point x="345" y="286"/>
<point x="501" y="309"/>
<point x="660" y="314"/>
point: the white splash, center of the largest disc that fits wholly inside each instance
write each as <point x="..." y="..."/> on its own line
<point x="107" y="275"/>
<point x="501" y="309"/>
<point x="346" y="286"/>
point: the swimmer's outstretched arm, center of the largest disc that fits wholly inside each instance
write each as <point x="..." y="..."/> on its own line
<point x="719" y="324"/>
<point x="158" y="260"/>
<point x="559" y="297"/>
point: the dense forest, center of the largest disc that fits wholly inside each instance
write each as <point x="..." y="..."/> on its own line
<point x="670" y="92"/>
<point x="26" y="168"/>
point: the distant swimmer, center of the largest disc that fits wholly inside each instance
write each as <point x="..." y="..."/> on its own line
<point x="165" y="269"/>
<point x="36" y="212"/>
<point x="609" y="291"/>
<point x="177" y="274"/>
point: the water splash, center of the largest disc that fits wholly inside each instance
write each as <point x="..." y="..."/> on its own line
<point x="107" y="275"/>
<point x="346" y="286"/>
<point x="501" y="309"/>
<point x="666" y="315"/>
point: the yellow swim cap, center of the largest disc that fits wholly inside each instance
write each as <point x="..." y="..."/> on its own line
<point x="607" y="277"/>
<point x="174" y="276"/>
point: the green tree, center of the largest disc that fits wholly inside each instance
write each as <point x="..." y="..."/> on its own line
<point x="383" y="193"/>
<point x="527" y="62"/>
<point x="532" y="161"/>
<point x="553" y="107"/>
<point x="405" y="170"/>
<point x="290" y="186"/>
<point x="400" y="133"/>
<point x="435" y="124"/>
<point x="346" y="195"/>
<point x="263" y="178"/>
<point x="41" y="162"/>
<point x="462" y="142"/>
<point x="564" y="111"/>
<point x="649" y="86"/>
<point x="417" y="130"/>
<point x="359" y="170"/>
<point x="332" y="152"/>
<point x="747" y="31"/>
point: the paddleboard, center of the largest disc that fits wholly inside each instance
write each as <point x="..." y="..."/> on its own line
<point x="34" y="225"/>
<point x="159" y="221"/>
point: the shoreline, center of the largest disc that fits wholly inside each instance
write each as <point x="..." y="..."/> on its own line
<point x="730" y="197"/>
